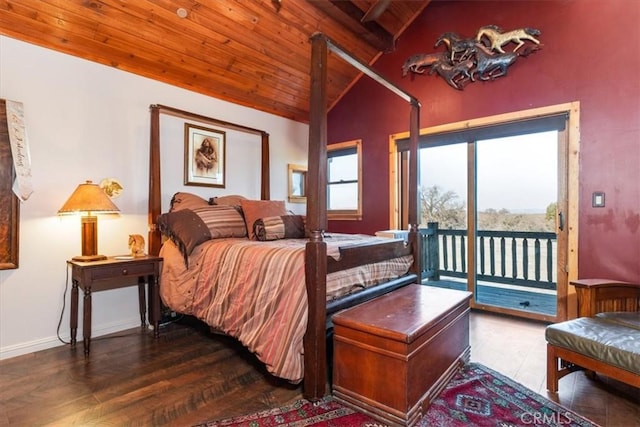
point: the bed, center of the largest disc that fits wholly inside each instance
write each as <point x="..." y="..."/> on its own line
<point x="315" y="260"/>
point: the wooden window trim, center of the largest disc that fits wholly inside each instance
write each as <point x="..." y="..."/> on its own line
<point x="348" y="214"/>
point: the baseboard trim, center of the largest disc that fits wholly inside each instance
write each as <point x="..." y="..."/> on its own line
<point x="20" y="349"/>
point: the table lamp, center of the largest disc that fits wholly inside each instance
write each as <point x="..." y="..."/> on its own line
<point x="89" y="199"/>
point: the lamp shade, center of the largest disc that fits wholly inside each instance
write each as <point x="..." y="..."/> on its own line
<point x="89" y="197"/>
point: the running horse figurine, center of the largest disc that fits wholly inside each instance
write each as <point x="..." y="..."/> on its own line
<point x="490" y="65"/>
<point x="418" y="62"/>
<point x="455" y="75"/>
<point x="497" y="38"/>
<point x="456" y="45"/>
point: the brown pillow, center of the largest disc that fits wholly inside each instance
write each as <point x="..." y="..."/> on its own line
<point x="279" y="227"/>
<point x="232" y="200"/>
<point x="181" y="201"/>
<point x="186" y="229"/>
<point x="222" y="221"/>
<point x="256" y="209"/>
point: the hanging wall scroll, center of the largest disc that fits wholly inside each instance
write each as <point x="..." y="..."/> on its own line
<point x="470" y="59"/>
<point x="9" y="203"/>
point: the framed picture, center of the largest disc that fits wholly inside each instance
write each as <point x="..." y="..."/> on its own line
<point x="204" y="156"/>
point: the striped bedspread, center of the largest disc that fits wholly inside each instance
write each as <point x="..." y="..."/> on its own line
<point x="255" y="291"/>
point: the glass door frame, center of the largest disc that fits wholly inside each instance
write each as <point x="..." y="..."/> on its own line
<point x="568" y="187"/>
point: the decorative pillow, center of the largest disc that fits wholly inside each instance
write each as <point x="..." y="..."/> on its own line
<point x="181" y="201"/>
<point x="232" y="200"/>
<point x="255" y="209"/>
<point x="222" y="221"/>
<point x="279" y="227"/>
<point x="188" y="228"/>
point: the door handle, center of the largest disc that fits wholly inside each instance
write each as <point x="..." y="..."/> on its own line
<point x="560" y="221"/>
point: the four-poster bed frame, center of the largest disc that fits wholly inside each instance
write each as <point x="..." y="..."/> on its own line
<point x="317" y="264"/>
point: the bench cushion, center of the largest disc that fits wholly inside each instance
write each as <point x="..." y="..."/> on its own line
<point x="599" y="338"/>
<point x="630" y="319"/>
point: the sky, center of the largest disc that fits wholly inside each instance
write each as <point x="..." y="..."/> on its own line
<point x="515" y="173"/>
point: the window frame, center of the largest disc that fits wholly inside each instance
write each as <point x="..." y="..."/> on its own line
<point x="345" y="214"/>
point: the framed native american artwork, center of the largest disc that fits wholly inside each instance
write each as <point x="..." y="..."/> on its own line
<point x="204" y="156"/>
<point x="9" y="203"/>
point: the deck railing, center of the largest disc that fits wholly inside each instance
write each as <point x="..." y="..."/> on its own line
<point x="520" y="258"/>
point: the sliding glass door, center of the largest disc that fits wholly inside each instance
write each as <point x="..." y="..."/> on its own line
<point x="516" y="195"/>
<point x="493" y="203"/>
<point x="443" y="208"/>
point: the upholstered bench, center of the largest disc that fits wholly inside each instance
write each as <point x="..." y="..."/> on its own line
<point x="607" y="342"/>
<point x="394" y="354"/>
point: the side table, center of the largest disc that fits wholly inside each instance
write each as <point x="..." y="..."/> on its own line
<point x="114" y="273"/>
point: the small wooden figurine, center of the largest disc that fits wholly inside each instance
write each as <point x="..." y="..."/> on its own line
<point x="136" y="244"/>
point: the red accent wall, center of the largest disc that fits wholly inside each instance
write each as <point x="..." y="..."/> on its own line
<point x="590" y="53"/>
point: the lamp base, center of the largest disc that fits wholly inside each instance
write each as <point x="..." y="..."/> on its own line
<point x="89" y="258"/>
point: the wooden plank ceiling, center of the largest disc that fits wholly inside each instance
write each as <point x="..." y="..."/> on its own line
<point x="254" y="53"/>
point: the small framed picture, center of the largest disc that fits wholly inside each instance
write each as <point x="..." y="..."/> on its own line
<point x="204" y="156"/>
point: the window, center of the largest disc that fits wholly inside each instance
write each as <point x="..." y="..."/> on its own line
<point x="344" y="177"/>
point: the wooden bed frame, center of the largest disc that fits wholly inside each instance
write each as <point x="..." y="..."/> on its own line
<point x="317" y="264"/>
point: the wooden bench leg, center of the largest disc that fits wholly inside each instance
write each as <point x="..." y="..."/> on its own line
<point x="552" y="369"/>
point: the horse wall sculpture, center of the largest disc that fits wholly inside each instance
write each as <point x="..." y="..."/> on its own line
<point x="467" y="58"/>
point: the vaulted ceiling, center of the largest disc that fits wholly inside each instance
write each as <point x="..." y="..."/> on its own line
<point x="254" y="53"/>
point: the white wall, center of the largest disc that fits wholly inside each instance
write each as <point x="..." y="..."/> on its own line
<point x="88" y="121"/>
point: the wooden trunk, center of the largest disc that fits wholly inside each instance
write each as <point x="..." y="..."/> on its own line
<point x="394" y="354"/>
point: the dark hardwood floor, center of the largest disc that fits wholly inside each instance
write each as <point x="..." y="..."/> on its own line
<point x="188" y="376"/>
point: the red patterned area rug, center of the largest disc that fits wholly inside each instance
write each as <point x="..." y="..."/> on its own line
<point x="476" y="396"/>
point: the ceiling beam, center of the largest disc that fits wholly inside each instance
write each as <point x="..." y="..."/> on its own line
<point x="376" y="9"/>
<point x="349" y="15"/>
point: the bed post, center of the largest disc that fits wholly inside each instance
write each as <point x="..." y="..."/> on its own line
<point x="315" y="356"/>
<point x="315" y="352"/>
<point x="414" y="236"/>
<point x="265" y="184"/>
<point x="155" y="202"/>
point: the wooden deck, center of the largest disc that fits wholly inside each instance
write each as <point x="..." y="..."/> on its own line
<point x="533" y="300"/>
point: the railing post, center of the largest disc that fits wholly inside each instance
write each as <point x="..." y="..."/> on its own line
<point x="503" y="257"/>
<point x="481" y="250"/>
<point x="525" y="258"/>
<point x="549" y="260"/>
<point x="537" y="259"/>
<point x="433" y="251"/>
<point x="492" y="255"/>
<point x="463" y="254"/>
<point x="424" y="236"/>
